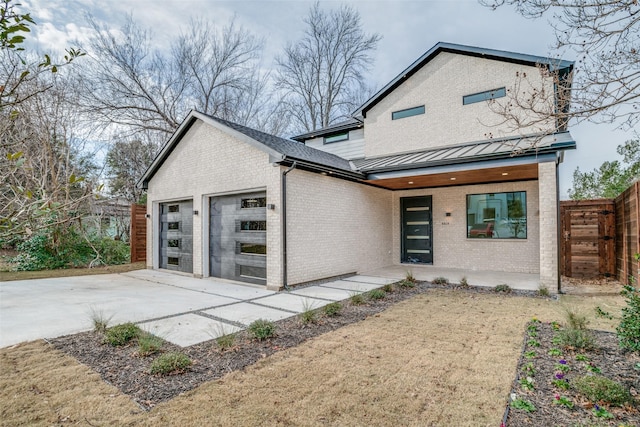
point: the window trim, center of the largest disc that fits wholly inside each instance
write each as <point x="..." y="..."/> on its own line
<point x="485" y="95"/>
<point x="344" y="135"/>
<point x="408" y="112"/>
<point x="495" y="235"/>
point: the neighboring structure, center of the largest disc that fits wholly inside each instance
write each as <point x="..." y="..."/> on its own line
<point x="109" y="218"/>
<point x="424" y="173"/>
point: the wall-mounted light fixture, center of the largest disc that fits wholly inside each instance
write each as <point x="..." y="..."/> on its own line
<point x="271" y="206"/>
<point x="195" y="212"/>
<point x="147" y="216"/>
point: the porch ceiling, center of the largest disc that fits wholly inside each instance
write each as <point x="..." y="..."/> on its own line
<point x="464" y="177"/>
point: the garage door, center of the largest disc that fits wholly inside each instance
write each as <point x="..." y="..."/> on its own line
<point x="176" y="236"/>
<point x="238" y="238"/>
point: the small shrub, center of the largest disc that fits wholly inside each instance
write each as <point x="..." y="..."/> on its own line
<point x="523" y="404"/>
<point x="530" y="354"/>
<point x="376" y="294"/>
<point x="527" y="383"/>
<point x="332" y="309"/>
<point x="100" y="320"/>
<point x="356" y="299"/>
<point x="388" y="287"/>
<point x="262" y="329"/>
<point x="440" y="281"/>
<point x="502" y="288"/>
<point x="629" y="328"/>
<point x="309" y="315"/>
<point x="148" y="344"/>
<point x="169" y="363"/>
<point x="409" y="277"/>
<point x="561" y="384"/>
<point x="464" y="282"/>
<point x="543" y="291"/>
<point x="225" y="342"/>
<point x="579" y="339"/>
<point x="576" y="320"/>
<point x="555" y="352"/>
<point x="597" y="388"/>
<point x="407" y="284"/>
<point x="120" y="335"/>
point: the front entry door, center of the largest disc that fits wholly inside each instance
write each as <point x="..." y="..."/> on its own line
<point x="417" y="230"/>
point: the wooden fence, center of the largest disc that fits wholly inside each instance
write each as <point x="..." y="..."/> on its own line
<point x="587" y="247"/>
<point x="138" y="238"/>
<point x="627" y="236"/>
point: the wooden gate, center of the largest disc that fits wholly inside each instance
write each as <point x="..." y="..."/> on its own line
<point x="138" y="238"/>
<point x="588" y="238"/>
<point x="627" y="234"/>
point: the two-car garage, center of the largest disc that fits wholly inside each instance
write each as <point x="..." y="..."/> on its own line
<point x="237" y="237"/>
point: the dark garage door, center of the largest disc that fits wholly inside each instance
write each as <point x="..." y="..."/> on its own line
<point x="238" y="238"/>
<point x="176" y="236"/>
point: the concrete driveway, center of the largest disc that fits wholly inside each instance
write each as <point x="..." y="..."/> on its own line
<point x="180" y="309"/>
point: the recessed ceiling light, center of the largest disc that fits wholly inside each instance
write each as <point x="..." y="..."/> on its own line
<point x="410" y="182"/>
<point x="505" y="173"/>
<point x="453" y="179"/>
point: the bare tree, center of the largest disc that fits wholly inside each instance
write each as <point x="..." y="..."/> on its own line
<point x="322" y="74"/>
<point x="603" y="35"/>
<point x="127" y="160"/>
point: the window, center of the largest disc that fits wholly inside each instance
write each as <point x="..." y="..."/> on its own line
<point x="253" y="225"/>
<point x="254" y="202"/>
<point x="484" y="96"/>
<point x="407" y="113"/>
<point x="173" y="243"/>
<point x="174" y="225"/>
<point x="174" y="208"/>
<point x="336" y="137"/>
<point x="173" y="260"/>
<point x="497" y="215"/>
<point x="252" y="249"/>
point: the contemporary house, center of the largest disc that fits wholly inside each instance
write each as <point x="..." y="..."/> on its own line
<point x="426" y="172"/>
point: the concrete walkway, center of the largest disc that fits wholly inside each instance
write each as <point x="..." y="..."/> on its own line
<point x="180" y="309"/>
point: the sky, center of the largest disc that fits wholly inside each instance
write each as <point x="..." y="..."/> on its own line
<point x="408" y="29"/>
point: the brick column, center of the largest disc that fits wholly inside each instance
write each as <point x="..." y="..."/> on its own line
<point x="548" y="217"/>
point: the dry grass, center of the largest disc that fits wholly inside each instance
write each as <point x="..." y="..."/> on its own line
<point x="6" y="276"/>
<point x="442" y="358"/>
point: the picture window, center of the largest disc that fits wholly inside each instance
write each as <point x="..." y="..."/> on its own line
<point x="497" y="215"/>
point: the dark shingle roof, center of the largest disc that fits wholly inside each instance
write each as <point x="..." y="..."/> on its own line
<point x="350" y="123"/>
<point x="477" y="151"/>
<point x="291" y="149"/>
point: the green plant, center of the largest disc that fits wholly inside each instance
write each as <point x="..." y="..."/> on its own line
<point x="169" y="363"/>
<point x="563" y="401"/>
<point x="593" y="368"/>
<point x="603" y="314"/>
<point x="629" y="328"/>
<point x="582" y="358"/>
<point x="502" y="288"/>
<point x="332" y="309"/>
<point x="388" y="287"/>
<point x="356" y="298"/>
<point x="598" y="388"/>
<point x="262" y="329"/>
<point x="530" y="354"/>
<point x="407" y="284"/>
<point x="122" y="334"/>
<point x="409" y="277"/>
<point x="561" y="384"/>
<point x="527" y="383"/>
<point x="555" y="325"/>
<point x="600" y="412"/>
<point x="100" y="320"/>
<point x="533" y="343"/>
<point x="543" y="291"/>
<point x="227" y="341"/>
<point x="562" y="366"/>
<point x="523" y="404"/>
<point x="555" y="352"/>
<point x="440" y="281"/>
<point x="148" y="344"/>
<point x="576" y="320"/>
<point x="376" y="294"/>
<point x="464" y="282"/>
<point x="579" y="339"/>
<point x="529" y="368"/>
<point x="309" y="314"/>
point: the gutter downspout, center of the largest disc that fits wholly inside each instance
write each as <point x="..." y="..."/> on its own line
<point x="284" y="225"/>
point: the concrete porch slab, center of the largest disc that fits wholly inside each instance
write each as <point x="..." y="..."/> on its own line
<point x="323" y="292"/>
<point x="370" y="279"/>
<point x="351" y="287"/>
<point x="188" y="329"/>
<point x="246" y="313"/>
<point x="291" y="302"/>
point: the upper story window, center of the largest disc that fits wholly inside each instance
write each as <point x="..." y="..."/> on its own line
<point x="407" y="113"/>
<point x="336" y="137"/>
<point x="484" y="96"/>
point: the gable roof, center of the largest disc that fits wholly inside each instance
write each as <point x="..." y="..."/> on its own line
<point x="279" y="149"/>
<point x="345" y="125"/>
<point x="498" y="55"/>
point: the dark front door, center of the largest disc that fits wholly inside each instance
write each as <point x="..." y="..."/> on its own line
<point x="238" y="238"/>
<point x="417" y="230"/>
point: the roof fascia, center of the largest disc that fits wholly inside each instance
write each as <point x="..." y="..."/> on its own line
<point x="326" y="131"/>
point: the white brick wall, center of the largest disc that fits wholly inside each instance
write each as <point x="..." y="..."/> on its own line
<point x="548" y="226"/>
<point x="335" y="227"/>
<point x="440" y="86"/>
<point x="452" y="248"/>
<point x="210" y="162"/>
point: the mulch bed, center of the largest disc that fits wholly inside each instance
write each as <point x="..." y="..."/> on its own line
<point x="614" y="363"/>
